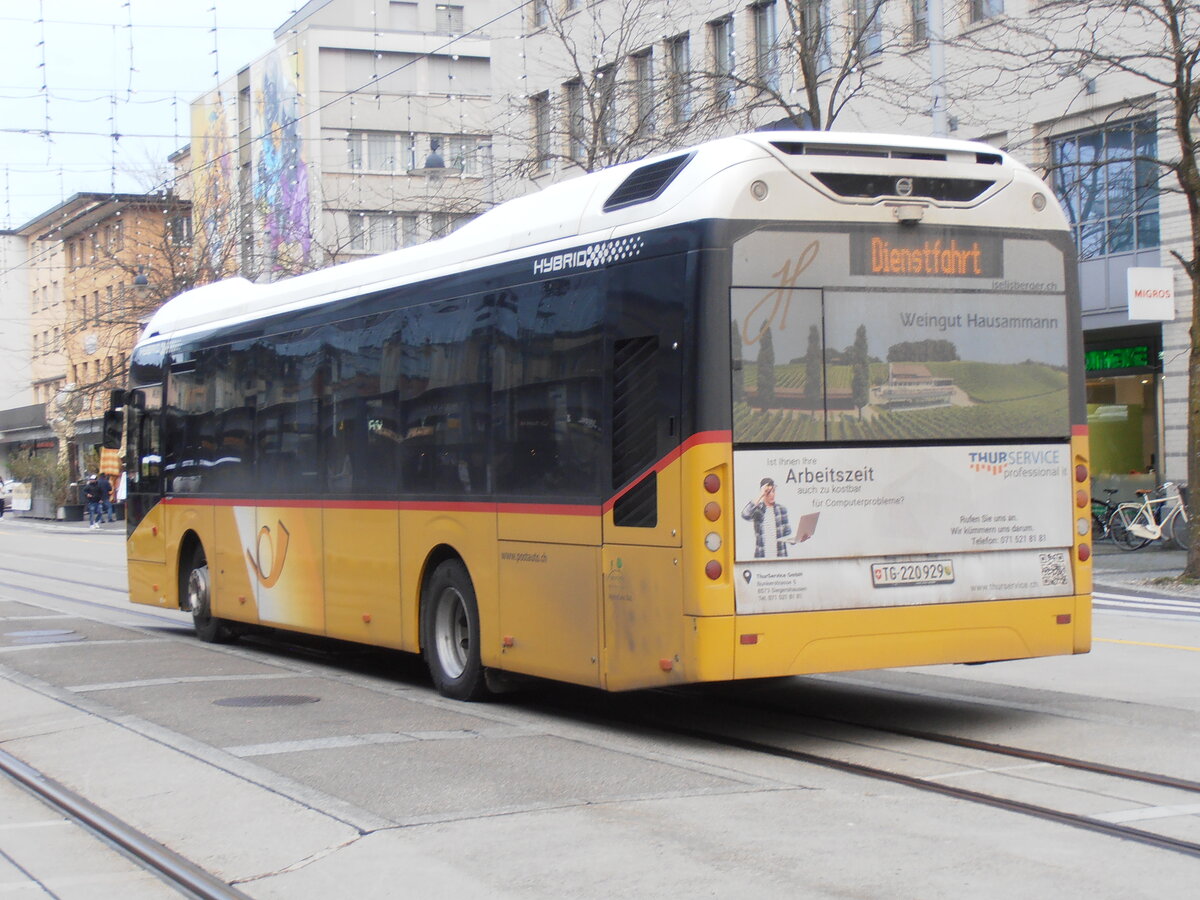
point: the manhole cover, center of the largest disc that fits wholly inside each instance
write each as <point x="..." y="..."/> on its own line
<point x="43" y="633"/>
<point x="47" y="636"/>
<point x="267" y="700"/>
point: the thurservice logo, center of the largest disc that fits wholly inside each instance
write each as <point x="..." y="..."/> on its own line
<point x="590" y="256"/>
<point x="997" y="462"/>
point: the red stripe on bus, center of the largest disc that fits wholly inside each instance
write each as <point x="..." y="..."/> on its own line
<point x="562" y="509"/>
<point x="696" y="440"/>
<point x="1079" y="431"/>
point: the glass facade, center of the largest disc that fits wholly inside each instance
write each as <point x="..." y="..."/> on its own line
<point x="1106" y="179"/>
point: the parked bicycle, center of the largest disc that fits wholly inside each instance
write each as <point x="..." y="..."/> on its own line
<point x="1103" y="510"/>
<point x="1161" y="514"/>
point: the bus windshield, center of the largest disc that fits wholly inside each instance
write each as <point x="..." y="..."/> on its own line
<point x="915" y="335"/>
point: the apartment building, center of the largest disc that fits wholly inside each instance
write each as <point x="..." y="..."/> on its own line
<point x="95" y="265"/>
<point x="365" y="129"/>
<point x="620" y="79"/>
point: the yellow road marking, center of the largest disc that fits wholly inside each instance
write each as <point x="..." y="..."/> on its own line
<point x="1146" y="644"/>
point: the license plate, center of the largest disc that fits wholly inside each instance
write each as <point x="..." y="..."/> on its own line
<point x="901" y="574"/>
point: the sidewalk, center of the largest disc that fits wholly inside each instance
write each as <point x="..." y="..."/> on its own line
<point x="59" y="525"/>
<point x="1124" y="570"/>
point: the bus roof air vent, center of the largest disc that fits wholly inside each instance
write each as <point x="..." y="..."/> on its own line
<point x="646" y="182"/>
<point x="871" y="186"/>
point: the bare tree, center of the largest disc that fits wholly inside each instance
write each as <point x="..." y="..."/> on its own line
<point x="1151" y="48"/>
<point x="613" y="82"/>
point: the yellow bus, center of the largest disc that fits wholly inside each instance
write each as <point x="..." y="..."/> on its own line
<point x="781" y="403"/>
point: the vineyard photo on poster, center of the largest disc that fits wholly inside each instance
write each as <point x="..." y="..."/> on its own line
<point x="900" y="367"/>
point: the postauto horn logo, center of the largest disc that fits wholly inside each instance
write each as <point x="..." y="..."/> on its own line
<point x="997" y="462"/>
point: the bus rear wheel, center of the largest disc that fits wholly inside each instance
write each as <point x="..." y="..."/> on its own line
<point x="450" y="633"/>
<point x="198" y="592"/>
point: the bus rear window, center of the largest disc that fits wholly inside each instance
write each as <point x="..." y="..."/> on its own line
<point x="902" y="359"/>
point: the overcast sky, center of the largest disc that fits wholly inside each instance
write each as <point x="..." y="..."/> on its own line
<point x="86" y="69"/>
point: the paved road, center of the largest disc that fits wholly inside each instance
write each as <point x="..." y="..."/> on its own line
<point x="297" y="770"/>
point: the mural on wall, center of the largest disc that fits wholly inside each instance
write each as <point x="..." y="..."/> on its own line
<point x="281" y="184"/>
<point x="212" y="180"/>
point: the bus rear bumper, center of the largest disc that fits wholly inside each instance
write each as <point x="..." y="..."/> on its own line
<point x="805" y="643"/>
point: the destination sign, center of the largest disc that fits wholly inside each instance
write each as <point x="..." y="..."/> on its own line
<point x="925" y="255"/>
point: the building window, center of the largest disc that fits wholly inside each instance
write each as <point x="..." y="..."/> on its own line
<point x="442" y="224"/>
<point x="541" y="13"/>
<point x="374" y="232"/>
<point x="448" y="19"/>
<point x="985" y="9"/>
<point x="643" y="92"/>
<point x="920" y="21"/>
<point x="766" y="51"/>
<point x="679" y="64"/>
<point x="814" y="23"/>
<point x="465" y="153"/>
<point x="606" y="91"/>
<point x="181" y="230"/>
<point x="378" y="151"/>
<point x="721" y="32"/>
<point x="1107" y="180"/>
<point x="868" y="27"/>
<point x="540" y="109"/>
<point x="576" y="122"/>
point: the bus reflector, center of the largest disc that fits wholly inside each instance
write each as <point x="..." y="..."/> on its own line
<point x="713" y="569"/>
<point x="749" y="639"/>
<point x="1085" y="552"/>
<point x="666" y="664"/>
<point x="712" y="483"/>
<point x="507" y="641"/>
<point x="367" y="618"/>
<point x="712" y="511"/>
<point x="1063" y="619"/>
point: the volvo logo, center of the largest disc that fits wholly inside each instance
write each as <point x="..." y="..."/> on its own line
<point x="904" y="187"/>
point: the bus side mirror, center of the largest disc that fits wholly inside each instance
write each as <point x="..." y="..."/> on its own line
<point x="116" y="399"/>
<point x="136" y="399"/>
<point x="113" y="426"/>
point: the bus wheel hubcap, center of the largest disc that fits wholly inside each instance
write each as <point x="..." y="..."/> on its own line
<point x="452" y="633"/>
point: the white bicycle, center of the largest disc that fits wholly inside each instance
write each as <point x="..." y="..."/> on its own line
<point x="1160" y="515"/>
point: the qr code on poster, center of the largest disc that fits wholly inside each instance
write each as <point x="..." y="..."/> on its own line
<point x="1054" y="568"/>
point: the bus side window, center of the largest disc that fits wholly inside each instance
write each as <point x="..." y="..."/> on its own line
<point x="548" y="365"/>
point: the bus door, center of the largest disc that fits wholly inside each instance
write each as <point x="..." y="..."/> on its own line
<point x="147" y="538"/>
<point x="641" y="564"/>
<point x="549" y="458"/>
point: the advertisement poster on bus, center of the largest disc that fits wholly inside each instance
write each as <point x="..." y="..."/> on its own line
<point x="973" y="522"/>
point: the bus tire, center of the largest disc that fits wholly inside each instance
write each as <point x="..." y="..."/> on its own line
<point x="198" y="590"/>
<point x="450" y="633"/>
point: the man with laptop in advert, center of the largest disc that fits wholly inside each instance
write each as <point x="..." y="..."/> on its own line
<point x="771" y="526"/>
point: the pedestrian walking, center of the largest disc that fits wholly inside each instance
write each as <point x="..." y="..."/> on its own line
<point x="106" y="504"/>
<point x="91" y="495"/>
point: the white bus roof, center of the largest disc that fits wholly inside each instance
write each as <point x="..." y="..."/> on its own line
<point x="561" y="212"/>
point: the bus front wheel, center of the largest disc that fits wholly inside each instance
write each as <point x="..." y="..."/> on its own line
<point x="198" y="591"/>
<point x="450" y="633"/>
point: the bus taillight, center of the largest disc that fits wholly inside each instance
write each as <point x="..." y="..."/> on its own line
<point x="712" y="483"/>
<point x="712" y="511"/>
